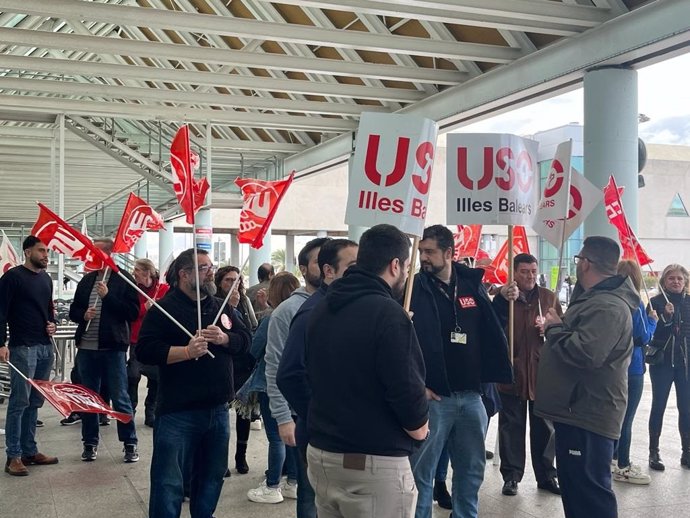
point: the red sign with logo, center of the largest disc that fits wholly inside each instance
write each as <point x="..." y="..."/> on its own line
<point x="497" y="271"/>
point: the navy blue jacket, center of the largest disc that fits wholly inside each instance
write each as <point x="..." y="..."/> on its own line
<point x="495" y="361"/>
<point x="292" y="371"/>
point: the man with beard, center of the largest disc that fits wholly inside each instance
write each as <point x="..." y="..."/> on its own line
<point x="103" y="307"/>
<point x="366" y="374"/>
<point x="192" y="428"/>
<point x="278" y="330"/>
<point x="464" y="347"/>
<point x="26" y="304"/>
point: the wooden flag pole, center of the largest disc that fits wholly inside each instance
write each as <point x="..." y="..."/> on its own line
<point x="410" y="277"/>
<point x="511" y="303"/>
<point x="106" y="276"/>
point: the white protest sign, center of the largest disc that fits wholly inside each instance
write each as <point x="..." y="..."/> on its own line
<point x="491" y="179"/>
<point x="390" y="173"/>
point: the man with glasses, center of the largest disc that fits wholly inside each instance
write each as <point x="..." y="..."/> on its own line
<point x="104" y="306"/>
<point x="192" y="428"/>
<point x="582" y="378"/>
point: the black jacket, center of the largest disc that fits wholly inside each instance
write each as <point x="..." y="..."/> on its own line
<point x="118" y="308"/>
<point x="191" y="384"/>
<point x="495" y="361"/>
<point x="365" y="370"/>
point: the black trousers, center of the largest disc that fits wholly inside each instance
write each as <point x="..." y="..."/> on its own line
<point x="512" y="427"/>
<point x="584" y="473"/>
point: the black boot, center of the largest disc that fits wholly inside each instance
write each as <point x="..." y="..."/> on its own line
<point x="241" y="458"/>
<point x="685" y="457"/>
<point x="655" y="461"/>
<point x="441" y="495"/>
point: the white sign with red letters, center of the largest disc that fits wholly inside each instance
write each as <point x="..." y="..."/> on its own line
<point x="492" y="179"/>
<point x="390" y="174"/>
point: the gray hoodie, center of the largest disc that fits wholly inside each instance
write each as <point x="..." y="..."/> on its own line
<point x="582" y="379"/>
<point x="278" y="330"/>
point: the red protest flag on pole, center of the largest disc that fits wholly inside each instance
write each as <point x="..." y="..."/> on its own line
<point x="60" y="237"/>
<point x="68" y="398"/>
<point x="137" y="218"/>
<point x="190" y="192"/>
<point x="497" y="271"/>
<point x="467" y="241"/>
<point x="260" y="203"/>
<point x="8" y="255"/>
<point x="632" y="249"/>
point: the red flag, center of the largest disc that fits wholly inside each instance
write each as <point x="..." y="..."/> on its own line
<point x="190" y="192"/>
<point x="137" y="218"/>
<point x="467" y="241"/>
<point x="60" y="237"/>
<point x="497" y="271"/>
<point x="260" y="202"/>
<point x="68" y="398"/>
<point x="8" y="256"/>
<point x="632" y="249"/>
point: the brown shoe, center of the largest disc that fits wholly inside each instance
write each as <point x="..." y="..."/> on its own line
<point x="15" y="467"/>
<point x="39" y="460"/>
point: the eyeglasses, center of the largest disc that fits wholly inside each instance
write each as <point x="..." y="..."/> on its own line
<point x="578" y="258"/>
<point x="204" y="269"/>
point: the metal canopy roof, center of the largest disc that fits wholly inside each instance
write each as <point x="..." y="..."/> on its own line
<point x="258" y="81"/>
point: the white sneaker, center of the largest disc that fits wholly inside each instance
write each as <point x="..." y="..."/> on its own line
<point x="255" y="425"/>
<point x="632" y="474"/>
<point x="265" y="495"/>
<point x="289" y="489"/>
<point x="614" y="465"/>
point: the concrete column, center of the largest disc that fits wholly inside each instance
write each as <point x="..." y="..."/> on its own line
<point x="354" y="232"/>
<point x="61" y="196"/>
<point x="610" y="141"/>
<point x="258" y="257"/>
<point x="289" y="252"/>
<point x="165" y="243"/>
<point x="203" y="228"/>
<point x="234" y="250"/>
<point x="140" y="247"/>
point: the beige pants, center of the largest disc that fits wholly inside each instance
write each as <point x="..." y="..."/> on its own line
<point x="370" y="486"/>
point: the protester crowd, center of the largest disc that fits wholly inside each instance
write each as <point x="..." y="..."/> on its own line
<point x="362" y="401"/>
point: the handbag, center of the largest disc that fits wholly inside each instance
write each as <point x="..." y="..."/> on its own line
<point x="654" y="353"/>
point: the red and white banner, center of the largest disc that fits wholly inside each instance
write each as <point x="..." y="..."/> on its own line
<point x="68" y="398"/>
<point x="467" y="241"/>
<point x="497" y="271"/>
<point x="96" y="263"/>
<point x="137" y="218"/>
<point x="632" y="249"/>
<point x="551" y="213"/>
<point x="190" y="192"/>
<point x="491" y="179"/>
<point x="260" y="203"/>
<point x="390" y="173"/>
<point x="60" y="237"/>
<point x="8" y="255"/>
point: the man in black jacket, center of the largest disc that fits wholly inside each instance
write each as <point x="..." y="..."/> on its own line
<point x="366" y="374"/>
<point x="103" y="306"/>
<point x="464" y="346"/>
<point x="192" y="427"/>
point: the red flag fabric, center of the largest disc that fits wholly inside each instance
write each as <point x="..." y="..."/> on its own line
<point x="137" y="218"/>
<point x="68" y="398"/>
<point x="60" y="237"/>
<point x="632" y="249"/>
<point x="260" y="202"/>
<point x="467" y="241"/>
<point x="190" y="192"/>
<point x="497" y="271"/>
<point x="8" y="255"/>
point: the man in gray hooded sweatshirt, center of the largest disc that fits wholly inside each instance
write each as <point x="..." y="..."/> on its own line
<point x="582" y="378"/>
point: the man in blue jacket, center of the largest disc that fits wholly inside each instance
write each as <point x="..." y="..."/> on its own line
<point x="463" y="346"/>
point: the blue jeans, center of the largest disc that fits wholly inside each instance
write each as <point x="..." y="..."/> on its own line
<point x="622" y="447"/>
<point x="22" y="409"/>
<point x="442" y="466"/>
<point x="198" y="438"/>
<point x="460" y="421"/>
<point x="278" y="453"/>
<point x="583" y="461"/>
<point x="110" y="366"/>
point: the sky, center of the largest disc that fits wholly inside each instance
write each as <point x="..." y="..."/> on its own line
<point x="663" y="96"/>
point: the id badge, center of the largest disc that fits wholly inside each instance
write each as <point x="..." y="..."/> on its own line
<point x="458" y="338"/>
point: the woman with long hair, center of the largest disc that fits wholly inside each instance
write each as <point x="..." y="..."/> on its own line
<point x="671" y="367"/>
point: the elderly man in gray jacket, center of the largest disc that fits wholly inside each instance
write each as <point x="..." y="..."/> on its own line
<point x="582" y="378"/>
